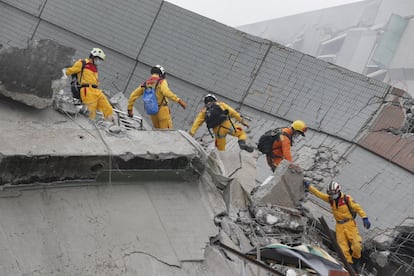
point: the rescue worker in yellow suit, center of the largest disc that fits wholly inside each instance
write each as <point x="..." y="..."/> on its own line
<point x="91" y="95"/>
<point x="344" y="210"/>
<point x="282" y="146"/>
<point x="162" y="119"/>
<point x="224" y="126"/>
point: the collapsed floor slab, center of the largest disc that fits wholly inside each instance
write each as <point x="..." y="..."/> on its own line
<point x="46" y="146"/>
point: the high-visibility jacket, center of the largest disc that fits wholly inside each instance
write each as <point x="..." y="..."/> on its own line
<point x="339" y="208"/>
<point x="282" y="147"/>
<point x="163" y="92"/>
<point x="90" y="72"/>
<point x="201" y="117"/>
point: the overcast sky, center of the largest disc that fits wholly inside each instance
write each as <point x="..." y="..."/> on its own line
<point x="241" y="12"/>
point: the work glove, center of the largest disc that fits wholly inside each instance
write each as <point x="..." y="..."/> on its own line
<point x="192" y="135"/>
<point x="65" y="77"/>
<point x="130" y="113"/>
<point x="182" y="103"/>
<point x="245" y="124"/>
<point x="367" y="224"/>
<point x="306" y="184"/>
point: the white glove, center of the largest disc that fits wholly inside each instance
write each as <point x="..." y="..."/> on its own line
<point x="65" y="77"/>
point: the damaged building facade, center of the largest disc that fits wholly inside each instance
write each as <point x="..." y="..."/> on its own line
<point x="159" y="226"/>
<point x="371" y="37"/>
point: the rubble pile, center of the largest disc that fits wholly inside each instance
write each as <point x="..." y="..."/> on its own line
<point x="391" y="252"/>
<point x="408" y="126"/>
<point x="324" y="167"/>
<point x="272" y="213"/>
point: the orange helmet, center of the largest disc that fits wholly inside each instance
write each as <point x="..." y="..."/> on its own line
<point x="300" y="126"/>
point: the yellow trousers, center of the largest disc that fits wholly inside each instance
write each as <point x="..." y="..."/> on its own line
<point x="224" y="129"/>
<point x="349" y="239"/>
<point x="162" y="120"/>
<point x="95" y="99"/>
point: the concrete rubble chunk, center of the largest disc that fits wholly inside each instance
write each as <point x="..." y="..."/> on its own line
<point x="26" y="75"/>
<point x="285" y="189"/>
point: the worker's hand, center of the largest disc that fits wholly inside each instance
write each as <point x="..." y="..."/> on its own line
<point x="191" y="134"/>
<point x="306" y="184"/>
<point x="130" y="113"/>
<point x="366" y="222"/>
<point x="182" y="103"/>
<point x="245" y="124"/>
<point x="65" y="77"/>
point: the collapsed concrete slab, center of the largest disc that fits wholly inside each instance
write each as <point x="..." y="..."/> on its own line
<point x="26" y="75"/>
<point x="47" y="146"/>
<point x="284" y="189"/>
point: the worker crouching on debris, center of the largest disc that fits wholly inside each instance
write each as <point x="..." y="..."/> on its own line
<point x="90" y="94"/>
<point x="344" y="210"/>
<point x="281" y="147"/>
<point x="155" y="92"/>
<point x="217" y="116"/>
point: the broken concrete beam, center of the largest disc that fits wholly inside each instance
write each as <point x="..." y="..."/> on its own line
<point x="285" y="189"/>
<point x="58" y="153"/>
<point x="26" y="75"/>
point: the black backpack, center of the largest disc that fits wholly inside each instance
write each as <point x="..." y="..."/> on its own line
<point x="75" y="83"/>
<point x="265" y="144"/>
<point x="215" y="115"/>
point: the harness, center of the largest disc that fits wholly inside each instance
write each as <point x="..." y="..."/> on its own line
<point x="353" y="213"/>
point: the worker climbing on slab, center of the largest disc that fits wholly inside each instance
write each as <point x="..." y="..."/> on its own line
<point x="217" y="115"/>
<point x="276" y="144"/>
<point x="155" y="93"/>
<point x="344" y="210"/>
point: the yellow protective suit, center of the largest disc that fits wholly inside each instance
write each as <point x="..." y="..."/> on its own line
<point x="92" y="97"/>
<point x="162" y="119"/>
<point x="223" y="129"/>
<point x="347" y="234"/>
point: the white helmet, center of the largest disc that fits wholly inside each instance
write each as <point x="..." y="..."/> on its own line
<point x="98" y="52"/>
<point x="209" y="98"/>
<point x="158" y="69"/>
<point x="333" y="190"/>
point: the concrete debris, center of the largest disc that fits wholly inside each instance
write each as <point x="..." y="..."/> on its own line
<point x="26" y="75"/>
<point x="285" y="189"/>
<point x="324" y="167"/>
<point x="392" y="251"/>
<point x="409" y="117"/>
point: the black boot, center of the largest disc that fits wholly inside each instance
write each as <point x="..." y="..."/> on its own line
<point x="244" y="146"/>
<point x="357" y="265"/>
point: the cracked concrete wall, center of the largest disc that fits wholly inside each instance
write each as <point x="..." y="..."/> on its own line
<point x="26" y="75"/>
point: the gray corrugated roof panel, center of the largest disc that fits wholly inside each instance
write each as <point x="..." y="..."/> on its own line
<point x="33" y="7"/>
<point x="197" y="44"/>
<point x="122" y="27"/>
<point x="315" y="89"/>
<point x="17" y="27"/>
